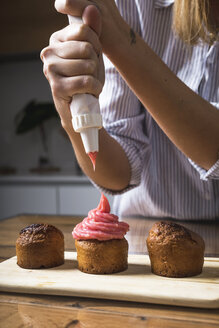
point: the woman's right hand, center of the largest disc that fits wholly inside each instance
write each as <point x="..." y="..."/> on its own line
<point x="114" y="28"/>
<point x="73" y="64"/>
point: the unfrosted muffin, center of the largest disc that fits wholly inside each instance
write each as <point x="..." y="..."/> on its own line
<point x="175" y="251"/>
<point x="100" y="243"/>
<point x="40" y="246"/>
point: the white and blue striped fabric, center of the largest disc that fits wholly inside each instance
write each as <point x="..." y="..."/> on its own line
<point x="164" y="182"/>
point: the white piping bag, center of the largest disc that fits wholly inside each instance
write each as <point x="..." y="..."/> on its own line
<point x="86" y="117"/>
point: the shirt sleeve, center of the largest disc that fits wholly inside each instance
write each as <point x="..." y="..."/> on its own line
<point x="124" y="120"/>
<point x="213" y="172"/>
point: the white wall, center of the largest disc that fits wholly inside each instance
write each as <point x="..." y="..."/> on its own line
<point x="21" y="82"/>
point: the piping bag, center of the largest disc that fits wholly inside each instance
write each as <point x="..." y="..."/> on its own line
<point x="86" y="117"/>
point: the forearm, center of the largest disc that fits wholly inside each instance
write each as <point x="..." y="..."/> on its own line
<point x="187" y="119"/>
<point x="112" y="166"/>
<point x="73" y="64"/>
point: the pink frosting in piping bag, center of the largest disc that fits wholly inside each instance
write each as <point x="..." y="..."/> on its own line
<point x="93" y="157"/>
<point x="100" y="224"/>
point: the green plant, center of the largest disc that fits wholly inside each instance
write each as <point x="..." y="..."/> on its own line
<point x="33" y="115"/>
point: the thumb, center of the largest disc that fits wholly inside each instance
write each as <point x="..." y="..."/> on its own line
<point x="91" y="17"/>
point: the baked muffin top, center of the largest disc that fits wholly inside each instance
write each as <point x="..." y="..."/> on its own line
<point x="165" y="232"/>
<point x="38" y="232"/>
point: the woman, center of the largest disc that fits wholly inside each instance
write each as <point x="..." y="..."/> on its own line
<point x="159" y="149"/>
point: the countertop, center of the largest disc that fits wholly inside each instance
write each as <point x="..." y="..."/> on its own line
<point x="22" y="310"/>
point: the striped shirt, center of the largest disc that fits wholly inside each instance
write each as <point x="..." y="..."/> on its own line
<point x="164" y="182"/>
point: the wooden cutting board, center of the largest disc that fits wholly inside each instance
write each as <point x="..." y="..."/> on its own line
<point x="135" y="284"/>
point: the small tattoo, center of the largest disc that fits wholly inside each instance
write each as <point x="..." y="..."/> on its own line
<point x="132" y="36"/>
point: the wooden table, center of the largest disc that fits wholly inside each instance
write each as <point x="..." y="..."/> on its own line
<point x="22" y="310"/>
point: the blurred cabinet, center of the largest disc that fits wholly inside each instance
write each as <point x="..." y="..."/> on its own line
<point x="79" y="200"/>
<point x="27" y="25"/>
<point x="27" y="199"/>
<point x="48" y="196"/>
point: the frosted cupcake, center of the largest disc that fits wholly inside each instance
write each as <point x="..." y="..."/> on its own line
<point x="100" y="242"/>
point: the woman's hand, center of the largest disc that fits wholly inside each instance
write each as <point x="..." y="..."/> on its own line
<point x="73" y="63"/>
<point x="114" y="28"/>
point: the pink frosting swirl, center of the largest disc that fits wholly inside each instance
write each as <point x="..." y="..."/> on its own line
<point x="100" y="224"/>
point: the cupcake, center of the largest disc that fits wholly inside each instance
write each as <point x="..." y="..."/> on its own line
<point x="175" y="251"/>
<point x="40" y="246"/>
<point x="100" y="243"/>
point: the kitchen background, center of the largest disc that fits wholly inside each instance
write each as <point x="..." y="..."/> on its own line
<point x="38" y="170"/>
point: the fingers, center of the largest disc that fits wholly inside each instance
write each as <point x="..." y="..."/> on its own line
<point x="70" y="50"/>
<point x="73" y="60"/>
<point x="67" y="75"/>
<point x="91" y="17"/>
<point x="68" y="68"/>
<point x="81" y="8"/>
<point x="70" y="76"/>
<point x="77" y="32"/>
<point x="71" y="7"/>
<point x="69" y="58"/>
<point x="64" y="88"/>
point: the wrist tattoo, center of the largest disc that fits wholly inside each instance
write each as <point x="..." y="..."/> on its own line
<point x="132" y="36"/>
